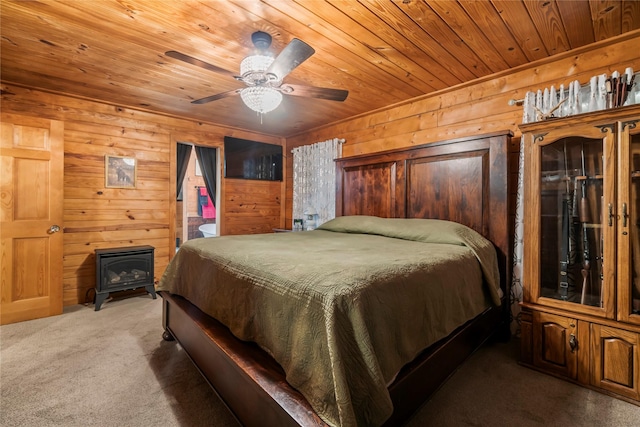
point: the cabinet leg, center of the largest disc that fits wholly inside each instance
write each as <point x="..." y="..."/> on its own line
<point x="100" y="299"/>
<point x="152" y="290"/>
<point x="166" y="335"/>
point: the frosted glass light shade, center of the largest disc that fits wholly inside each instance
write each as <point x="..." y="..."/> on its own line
<point x="261" y="99"/>
<point x="252" y="68"/>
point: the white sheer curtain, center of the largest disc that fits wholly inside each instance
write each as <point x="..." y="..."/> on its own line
<point x="516" y="281"/>
<point x="314" y="179"/>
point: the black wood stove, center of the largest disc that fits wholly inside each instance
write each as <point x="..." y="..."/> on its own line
<point x="119" y="269"/>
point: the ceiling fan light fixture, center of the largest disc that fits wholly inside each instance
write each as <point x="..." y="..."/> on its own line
<point x="253" y="68"/>
<point x="261" y="99"/>
<point x="263" y="75"/>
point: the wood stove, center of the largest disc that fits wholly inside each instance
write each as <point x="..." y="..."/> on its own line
<point x="119" y="269"/>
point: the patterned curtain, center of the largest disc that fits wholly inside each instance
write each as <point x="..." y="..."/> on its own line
<point x="314" y="179"/>
<point x="516" y="282"/>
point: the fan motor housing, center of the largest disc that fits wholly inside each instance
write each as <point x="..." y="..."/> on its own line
<point x="261" y="40"/>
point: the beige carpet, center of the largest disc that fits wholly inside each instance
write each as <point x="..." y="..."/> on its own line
<point x="112" y="368"/>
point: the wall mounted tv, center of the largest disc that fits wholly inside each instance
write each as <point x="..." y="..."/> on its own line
<point x="246" y="159"/>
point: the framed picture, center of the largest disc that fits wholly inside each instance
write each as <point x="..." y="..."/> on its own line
<point x="119" y="172"/>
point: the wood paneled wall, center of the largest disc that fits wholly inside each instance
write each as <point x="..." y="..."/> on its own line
<point x="469" y="109"/>
<point x="253" y="206"/>
<point x="98" y="217"/>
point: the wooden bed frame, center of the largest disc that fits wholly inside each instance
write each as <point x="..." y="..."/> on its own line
<point x="463" y="180"/>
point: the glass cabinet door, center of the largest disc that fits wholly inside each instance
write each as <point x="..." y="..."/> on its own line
<point x="573" y="180"/>
<point x="571" y="246"/>
<point x="628" y="233"/>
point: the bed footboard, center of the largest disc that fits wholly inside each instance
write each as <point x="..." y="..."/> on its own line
<point x="253" y="385"/>
<point x="246" y="378"/>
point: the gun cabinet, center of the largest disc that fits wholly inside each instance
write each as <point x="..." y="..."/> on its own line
<point x="581" y="308"/>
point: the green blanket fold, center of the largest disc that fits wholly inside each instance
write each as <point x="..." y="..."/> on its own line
<point x="344" y="307"/>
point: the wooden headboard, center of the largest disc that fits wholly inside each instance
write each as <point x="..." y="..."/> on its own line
<point x="464" y="180"/>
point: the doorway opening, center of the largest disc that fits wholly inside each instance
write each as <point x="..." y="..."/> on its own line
<point x="197" y="202"/>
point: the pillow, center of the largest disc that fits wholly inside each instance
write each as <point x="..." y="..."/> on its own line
<point x="416" y="229"/>
<point x="426" y="231"/>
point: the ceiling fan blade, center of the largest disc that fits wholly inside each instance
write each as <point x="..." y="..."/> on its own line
<point x="197" y="62"/>
<point x="294" y="54"/>
<point x="316" y="92"/>
<point x="216" y="97"/>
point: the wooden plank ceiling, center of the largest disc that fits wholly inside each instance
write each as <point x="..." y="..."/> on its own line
<point x="382" y="51"/>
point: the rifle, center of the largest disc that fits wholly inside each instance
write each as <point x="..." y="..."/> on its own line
<point x="600" y="248"/>
<point x="563" y="288"/>
<point x="585" y="218"/>
<point x="567" y="243"/>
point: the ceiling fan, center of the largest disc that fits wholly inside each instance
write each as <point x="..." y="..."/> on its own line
<point x="263" y="75"/>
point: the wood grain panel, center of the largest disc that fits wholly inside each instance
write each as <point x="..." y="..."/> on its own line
<point x="579" y="13"/>
<point x="367" y="190"/>
<point x="456" y="18"/>
<point x="421" y="24"/>
<point x="607" y="18"/>
<point x="251" y="206"/>
<point x="386" y="40"/>
<point x="30" y="276"/>
<point x="630" y="15"/>
<point x="27" y="171"/>
<point x="584" y="352"/>
<point x="464" y="199"/>
<point x="619" y="366"/>
<point x="523" y="30"/>
<point x="547" y="20"/>
<point x="615" y="360"/>
<point x="484" y="15"/>
<point x="364" y="62"/>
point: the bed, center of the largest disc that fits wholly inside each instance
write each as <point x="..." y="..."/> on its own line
<point x="349" y="351"/>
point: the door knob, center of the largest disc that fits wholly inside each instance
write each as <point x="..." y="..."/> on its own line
<point x="54" y="229"/>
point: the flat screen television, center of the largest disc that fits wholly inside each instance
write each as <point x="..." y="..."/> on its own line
<point x="245" y="159"/>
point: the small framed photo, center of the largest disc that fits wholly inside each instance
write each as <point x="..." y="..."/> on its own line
<point x="119" y="172"/>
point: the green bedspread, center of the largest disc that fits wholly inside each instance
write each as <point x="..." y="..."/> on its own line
<point x="344" y="307"/>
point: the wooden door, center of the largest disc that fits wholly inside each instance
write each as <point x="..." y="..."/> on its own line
<point x="31" y="213"/>
<point x="569" y="163"/>
<point x="628" y="222"/>
<point x="616" y="360"/>
<point x="555" y="344"/>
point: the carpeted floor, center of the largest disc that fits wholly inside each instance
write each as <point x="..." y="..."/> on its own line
<point x="112" y="368"/>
